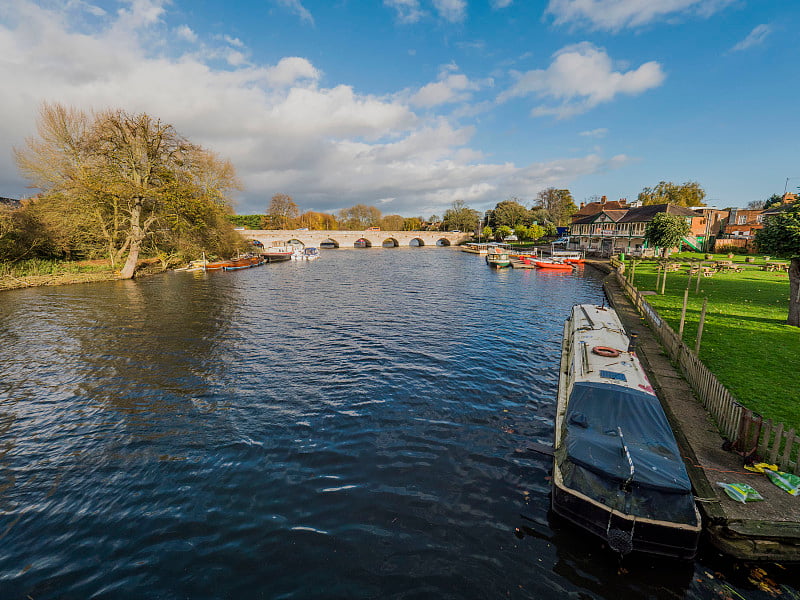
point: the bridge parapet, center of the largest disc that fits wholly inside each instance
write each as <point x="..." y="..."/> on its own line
<point x="348" y="239"/>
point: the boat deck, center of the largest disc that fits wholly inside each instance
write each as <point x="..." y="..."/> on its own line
<point x="764" y="530"/>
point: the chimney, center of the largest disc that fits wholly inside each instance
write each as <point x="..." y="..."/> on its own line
<point x="582" y="205"/>
<point x="603" y="200"/>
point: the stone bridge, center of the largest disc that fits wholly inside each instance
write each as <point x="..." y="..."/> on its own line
<point x="348" y="239"/>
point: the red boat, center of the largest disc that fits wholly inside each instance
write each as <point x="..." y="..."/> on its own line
<point x="218" y="264"/>
<point x="244" y="262"/>
<point x="549" y="264"/>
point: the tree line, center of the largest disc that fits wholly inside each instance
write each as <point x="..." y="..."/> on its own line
<point x="551" y="208"/>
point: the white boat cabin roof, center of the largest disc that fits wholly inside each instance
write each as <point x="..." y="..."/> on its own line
<point x="600" y="350"/>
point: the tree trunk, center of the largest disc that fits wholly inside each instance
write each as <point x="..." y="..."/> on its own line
<point x="136" y="237"/>
<point x="794" y="293"/>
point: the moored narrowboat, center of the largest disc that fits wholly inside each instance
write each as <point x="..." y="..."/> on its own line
<point x="617" y="469"/>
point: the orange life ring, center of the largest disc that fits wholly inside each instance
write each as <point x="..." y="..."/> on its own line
<point x="606" y="351"/>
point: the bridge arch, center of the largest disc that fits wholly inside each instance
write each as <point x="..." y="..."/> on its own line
<point x="417" y="242"/>
<point x="329" y="243"/>
<point x="390" y="243"/>
<point x="295" y="242"/>
<point x="442" y="242"/>
<point x="362" y="242"/>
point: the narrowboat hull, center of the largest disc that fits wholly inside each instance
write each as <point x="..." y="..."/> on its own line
<point x="649" y="537"/>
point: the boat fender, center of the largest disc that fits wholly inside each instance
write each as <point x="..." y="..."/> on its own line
<point x="605" y="351"/>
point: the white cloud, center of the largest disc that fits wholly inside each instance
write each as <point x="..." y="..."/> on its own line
<point x="291" y="70"/>
<point x="85" y="6"/>
<point x="408" y="11"/>
<point x="579" y="78"/>
<point x="297" y="8"/>
<point x="454" y="11"/>
<point x="451" y="87"/>
<point x="754" y="38"/>
<point x="236" y="42"/>
<point x="185" y="32"/>
<point x="613" y="15"/>
<point x="501" y="3"/>
<point x="329" y="147"/>
<point x="595" y="133"/>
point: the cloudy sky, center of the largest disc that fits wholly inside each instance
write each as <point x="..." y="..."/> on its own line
<point x="411" y="104"/>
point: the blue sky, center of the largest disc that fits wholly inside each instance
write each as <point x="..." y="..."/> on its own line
<point x="411" y="104"/>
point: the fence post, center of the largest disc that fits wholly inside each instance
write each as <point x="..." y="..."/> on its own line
<point x="683" y="312"/>
<point x="700" y="327"/>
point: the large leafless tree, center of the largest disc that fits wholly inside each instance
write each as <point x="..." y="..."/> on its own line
<point x="129" y="174"/>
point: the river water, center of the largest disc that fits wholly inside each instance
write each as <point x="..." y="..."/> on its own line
<point x="353" y="427"/>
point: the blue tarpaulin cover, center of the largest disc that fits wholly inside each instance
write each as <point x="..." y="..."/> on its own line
<point x="594" y="461"/>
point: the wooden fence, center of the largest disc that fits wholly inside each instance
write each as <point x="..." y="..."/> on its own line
<point x="751" y="435"/>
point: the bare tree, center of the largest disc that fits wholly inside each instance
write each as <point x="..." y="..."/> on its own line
<point x="282" y="211"/>
<point x="130" y="173"/>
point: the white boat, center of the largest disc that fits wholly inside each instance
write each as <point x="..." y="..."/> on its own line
<point x="309" y="253"/>
<point x="617" y="469"/>
<point x="475" y="248"/>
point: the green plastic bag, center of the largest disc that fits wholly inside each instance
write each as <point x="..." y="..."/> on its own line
<point x="741" y="492"/>
<point x="786" y="481"/>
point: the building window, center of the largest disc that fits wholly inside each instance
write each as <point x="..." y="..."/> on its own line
<point x="742" y="219"/>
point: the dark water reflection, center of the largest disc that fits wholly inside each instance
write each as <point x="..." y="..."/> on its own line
<point x="353" y="427"/>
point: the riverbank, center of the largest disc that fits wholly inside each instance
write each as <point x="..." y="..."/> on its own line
<point x="11" y="283"/>
<point x="67" y="277"/>
<point x="765" y="530"/>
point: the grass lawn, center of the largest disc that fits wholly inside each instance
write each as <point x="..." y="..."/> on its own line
<point x="746" y="342"/>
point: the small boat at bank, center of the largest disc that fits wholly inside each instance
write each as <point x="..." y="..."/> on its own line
<point x="309" y="253"/>
<point x="522" y="262"/>
<point x="475" y="248"/>
<point x="244" y="262"/>
<point x="567" y="256"/>
<point x="498" y="259"/>
<point x="277" y="254"/>
<point x="617" y="469"/>
<point x="553" y="264"/>
<point x="216" y="265"/>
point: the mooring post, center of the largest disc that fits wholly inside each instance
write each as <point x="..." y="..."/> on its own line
<point x="658" y="277"/>
<point x="683" y="312"/>
<point x="700" y="327"/>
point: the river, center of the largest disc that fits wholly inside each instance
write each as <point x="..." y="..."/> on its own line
<point x="352" y="427"/>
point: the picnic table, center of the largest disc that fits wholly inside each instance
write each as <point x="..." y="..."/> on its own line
<point x="728" y="265"/>
<point x="704" y="270"/>
<point x="775" y="266"/>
